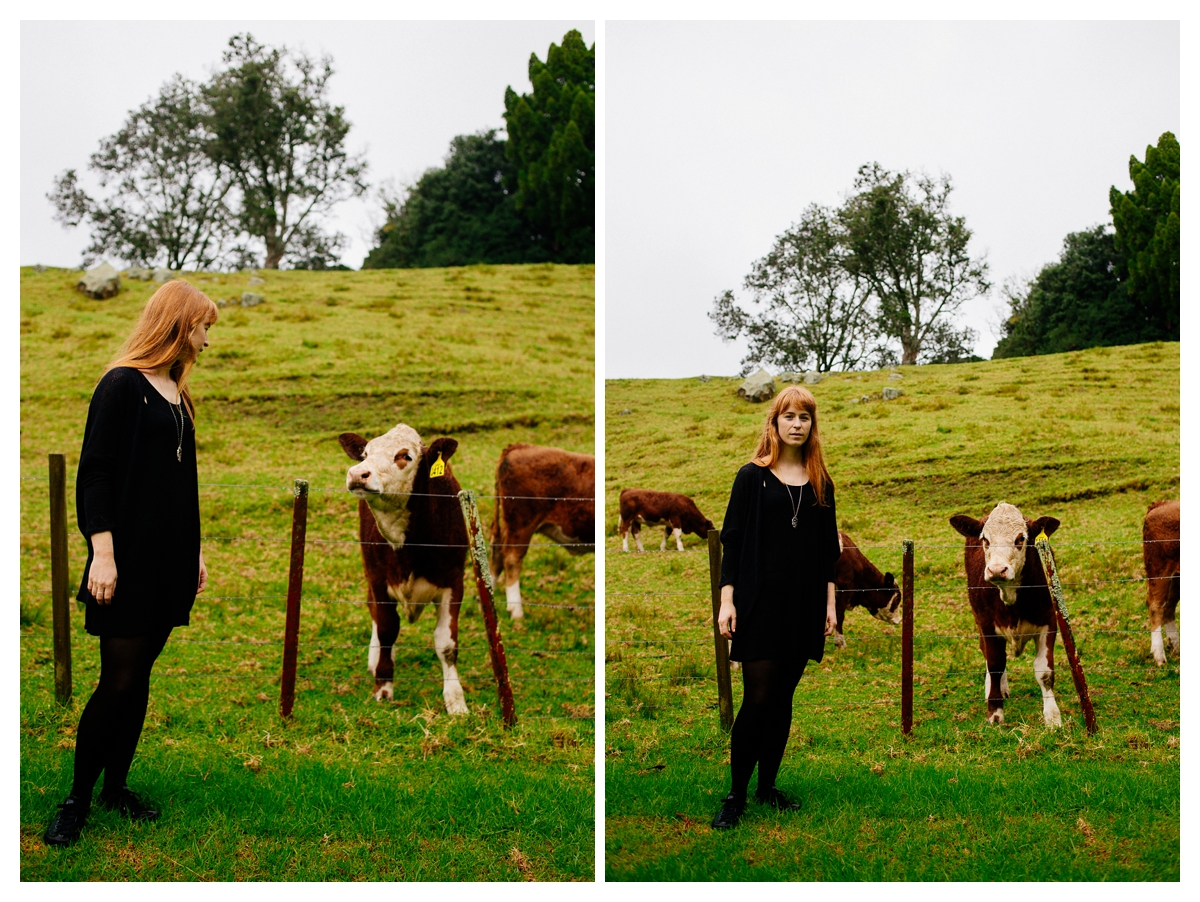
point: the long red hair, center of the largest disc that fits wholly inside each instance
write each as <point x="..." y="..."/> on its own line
<point x="163" y="334"/>
<point x="810" y="452"/>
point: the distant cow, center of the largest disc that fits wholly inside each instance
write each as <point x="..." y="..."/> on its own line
<point x="859" y="583"/>
<point x="1160" y="551"/>
<point x="544" y="490"/>
<point x="677" y="513"/>
<point x="413" y="546"/>
<point x="1007" y="589"/>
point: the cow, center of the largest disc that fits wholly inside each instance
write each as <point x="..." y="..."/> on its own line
<point x="414" y="542"/>
<point x="859" y="583"/>
<point x="539" y="490"/>
<point x="1007" y="589"/>
<point x="676" y="513"/>
<point x="1160" y="552"/>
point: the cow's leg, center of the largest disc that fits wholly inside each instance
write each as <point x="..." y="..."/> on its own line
<point x="995" y="682"/>
<point x="623" y="532"/>
<point x="385" y="627"/>
<point x="514" y="554"/>
<point x="839" y="638"/>
<point x="678" y="533"/>
<point x="636" y="527"/>
<point x="666" y="535"/>
<point x="1043" y="669"/>
<point x="1156" y="600"/>
<point x="445" y="643"/>
<point x="1170" y="628"/>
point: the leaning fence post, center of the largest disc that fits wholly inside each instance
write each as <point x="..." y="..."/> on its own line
<point x="724" y="684"/>
<point x="906" y="643"/>
<point x="60" y="579"/>
<point x="483" y="584"/>
<point x="291" y="627"/>
<point x="1064" y="627"/>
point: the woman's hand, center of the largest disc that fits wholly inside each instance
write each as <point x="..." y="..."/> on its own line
<point x="830" y="610"/>
<point x="727" y="617"/>
<point x="102" y="575"/>
<point x="203" y="575"/>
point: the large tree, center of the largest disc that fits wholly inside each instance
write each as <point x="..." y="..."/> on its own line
<point x="552" y="146"/>
<point x="166" y="202"/>
<point x="912" y="253"/>
<point x="457" y="214"/>
<point x="275" y="129"/>
<point x="1146" y="220"/>
<point x="808" y="311"/>
<point x="1078" y="302"/>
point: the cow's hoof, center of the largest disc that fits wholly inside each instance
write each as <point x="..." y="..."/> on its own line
<point x="1053" y="718"/>
<point x="383" y="693"/>
<point x="516" y="611"/>
<point x="839" y="640"/>
<point x="996" y="716"/>
<point x="456" y="705"/>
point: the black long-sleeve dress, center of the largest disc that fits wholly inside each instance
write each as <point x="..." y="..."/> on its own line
<point x="131" y="483"/>
<point x="779" y="573"/>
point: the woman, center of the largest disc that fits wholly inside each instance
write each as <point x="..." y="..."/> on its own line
<point x="777" y="594"/>
<point x="138" y="507"/>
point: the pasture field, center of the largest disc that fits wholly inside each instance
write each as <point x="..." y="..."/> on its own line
<point x="1091" y="438"/>
<point x="347" y="789"/>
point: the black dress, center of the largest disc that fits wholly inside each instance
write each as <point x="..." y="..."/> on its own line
<point x="779" y="573"/>
<point x="130" y="483"/>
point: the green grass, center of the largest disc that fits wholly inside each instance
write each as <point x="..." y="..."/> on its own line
<point x="1091" y="438"/>
<point x="348" y="788"/>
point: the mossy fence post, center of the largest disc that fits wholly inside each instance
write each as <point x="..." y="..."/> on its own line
<point x="483" y="584"/>
<point x="291" y="628"/>
<point x="906" y="642"/>
<point x="724" y="683"/>
<point x="1064" y="627"/>
<point x="60" y="579"/>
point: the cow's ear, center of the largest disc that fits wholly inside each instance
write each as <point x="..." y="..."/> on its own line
<point x="967" y="526"/>
<point x="445" y="446"/>
<point x="889" y="581"/>
<point x="353" y="444"/>
<point x="1040" y="525"/>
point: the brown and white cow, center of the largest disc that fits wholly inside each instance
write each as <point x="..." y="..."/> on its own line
<point x="676" y="513"/>
<point x="413" y="546"/>
<point x="860" y="584"/>
<point x="1009" y="597"/>
<point x="539" y="490"/>
<point x="1160" y="552"/>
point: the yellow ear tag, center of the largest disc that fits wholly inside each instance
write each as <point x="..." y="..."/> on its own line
<point x="438" y="467"/>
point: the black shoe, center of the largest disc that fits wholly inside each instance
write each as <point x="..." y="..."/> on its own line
<point x="777" y="799"/>
<point x="68" y="823"/>
<point x="125" y="801"/>
<point x="731" y="812"/>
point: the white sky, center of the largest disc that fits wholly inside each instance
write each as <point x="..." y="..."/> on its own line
<point x="408" y="88"/>
<point x="718" y="135"/>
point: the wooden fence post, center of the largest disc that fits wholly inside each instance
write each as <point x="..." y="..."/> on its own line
<point x="483" y="584"/>
<point x="721" y="644"/>
<point x="291" y="628"/>
<point x="906" y="643"/>
<point x="1064" y="627"/>
<point x="60" y="579"/>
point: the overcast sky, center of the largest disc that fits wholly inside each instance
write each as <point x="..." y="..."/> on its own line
<point x="408" y="88"/>
<point x="719" y="134"/>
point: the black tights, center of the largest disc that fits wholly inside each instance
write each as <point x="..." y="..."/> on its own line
<point x="111" y="723"/>
<point x="760" y="732"/>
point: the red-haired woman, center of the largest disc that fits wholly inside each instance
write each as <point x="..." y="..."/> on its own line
<point x="138" y="506"/>
<point x="777" y="595"/>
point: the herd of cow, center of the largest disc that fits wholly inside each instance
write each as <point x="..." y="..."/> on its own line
<point x="414" y="541"/>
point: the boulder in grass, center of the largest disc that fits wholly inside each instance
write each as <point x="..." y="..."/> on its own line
<point x="893" y="377"/>
<point x="812" y="377"/>
<point x="162" y="274"/>
<point x="705" y="378"/>
<point x="102" y="282"/>
<point x="890" y="394"/>
<point x="791" y="377"/>
<point x="255" y="280"/>
<point x="39" y="268"/>
<point x="250" y="299"/>
<point x="757" y="387"/>
<point x="137" y="272"/>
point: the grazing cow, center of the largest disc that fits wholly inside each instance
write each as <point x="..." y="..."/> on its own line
<point x="1160" y="551"/>
<point x="413" y="546"/>
<point x="859" y="582"/>
<point x="1009" y="597"/>
<point x="544" y="490"/>
<point x="677" y="513"/>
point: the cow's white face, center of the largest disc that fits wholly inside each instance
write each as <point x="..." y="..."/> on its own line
<point x="1004" y="539"/>
<point x="387" y="469"/>
<point x="890" y="612"/>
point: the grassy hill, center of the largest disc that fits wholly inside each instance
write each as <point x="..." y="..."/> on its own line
<point x="348" y="789"/>
<point x="1091" y="438"/>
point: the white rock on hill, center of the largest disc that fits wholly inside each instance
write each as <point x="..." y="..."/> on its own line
<point x="102" y="282"/>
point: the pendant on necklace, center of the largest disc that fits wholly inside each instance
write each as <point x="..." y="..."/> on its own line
<point x="179" y="457"/>
<point x="794" y="522"/>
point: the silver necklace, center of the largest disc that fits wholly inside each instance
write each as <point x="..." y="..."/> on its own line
<point x="796" y="504"/>
<point x="178" y="407"/>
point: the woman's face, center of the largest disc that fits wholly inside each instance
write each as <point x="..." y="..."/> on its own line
<point x="199" y="338"/>
<point x="794" y="426"/>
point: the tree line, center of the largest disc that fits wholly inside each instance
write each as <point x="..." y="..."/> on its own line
<point x="243" y="169"/>
<point x="879" y="279"/>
